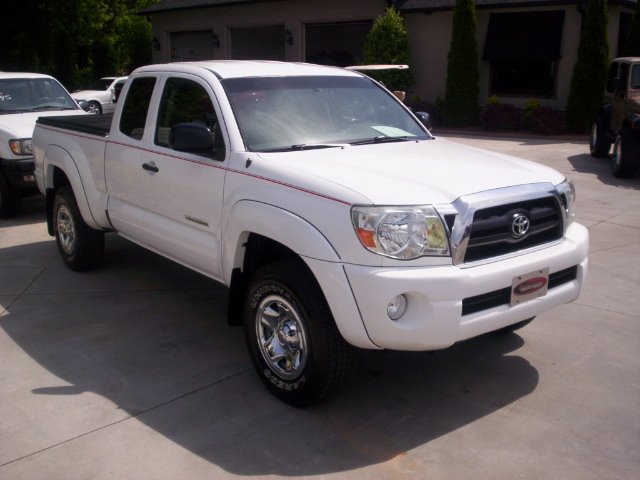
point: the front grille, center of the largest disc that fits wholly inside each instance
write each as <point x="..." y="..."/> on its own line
<point x="491" y="232"/>
<point x="503" y="296"/>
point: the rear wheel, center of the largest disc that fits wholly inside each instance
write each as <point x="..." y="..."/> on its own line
<point x="624" y="148"/>
<point x="9" y="198"/>
<point x="292" y="338"/>
<point x="80" y="246"/>
<point x="599" y="143"/>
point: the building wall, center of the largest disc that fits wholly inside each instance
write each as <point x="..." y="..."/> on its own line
<point x="430" y="35"/>
<point x="293" y="15"/>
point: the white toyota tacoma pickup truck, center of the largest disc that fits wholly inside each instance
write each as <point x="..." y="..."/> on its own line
<point x="336" y="219"/>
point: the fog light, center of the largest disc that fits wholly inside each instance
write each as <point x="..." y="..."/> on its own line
<point x="397" y="307"/>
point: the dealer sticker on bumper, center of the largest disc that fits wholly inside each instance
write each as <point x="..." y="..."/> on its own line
<point x="529" y="286"/>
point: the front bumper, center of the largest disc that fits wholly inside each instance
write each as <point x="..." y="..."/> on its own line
<point x="19" y="172"/>
<point x="434" y="318"/>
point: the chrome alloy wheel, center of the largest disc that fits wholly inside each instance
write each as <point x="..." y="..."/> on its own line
<point x="281" y="337"/>
<point x="617" y="153"/>
<point x="66" y="230"/>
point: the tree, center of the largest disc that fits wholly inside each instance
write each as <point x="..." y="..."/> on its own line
<point x="590" y="70"/>
<point x="75" y="40"/>
<point x="388" y="43"/>
<point x="632" y="42"/>
<point x="461" y="105"/>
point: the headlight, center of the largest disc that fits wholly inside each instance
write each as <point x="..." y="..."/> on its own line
<point x="401" y="232"/>
<point x="22" y="146"/>
<point x="568" y="196"/>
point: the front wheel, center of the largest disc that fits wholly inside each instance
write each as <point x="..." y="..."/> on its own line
<point x="623" y="164"/>
<point x="599" y="143"/>
<point x="94" y="107"/>
<point x="80" y="246"/>
<point x="291" y="335"/>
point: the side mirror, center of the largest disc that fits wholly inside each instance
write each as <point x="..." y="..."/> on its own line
<point x="425" y="119"/>
<point x="192" y="138"/>
<point x="83" y="104"/>
<point x="116" y="92"/>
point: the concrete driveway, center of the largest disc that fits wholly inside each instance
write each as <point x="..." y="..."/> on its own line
<point x="130" y="372"/>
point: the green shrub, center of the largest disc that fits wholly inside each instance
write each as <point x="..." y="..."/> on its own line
<point x="500" y="117"/>
<point x="590" y="71"/>
<point x="546" y="121"/>
<point x="388" y="43"/>
<point x="632" y="41"/>
<point x="529" y="109"/>
<point x="462" y="90"/>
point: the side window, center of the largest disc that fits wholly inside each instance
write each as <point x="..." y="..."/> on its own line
<point x="187" y="104"/>
<point x="611" y="76"/>
<point x="624" y="76"/>
<point x="136" y="106"/>
<point x="635" y="77"/>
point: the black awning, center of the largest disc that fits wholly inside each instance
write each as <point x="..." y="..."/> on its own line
<point x="532" y="36"/>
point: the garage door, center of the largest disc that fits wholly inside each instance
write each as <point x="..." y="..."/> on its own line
<point x="258" y="43"/>
<point x="189" y="46"/>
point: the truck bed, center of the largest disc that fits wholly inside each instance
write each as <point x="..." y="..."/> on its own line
<point x="98" y="125"/>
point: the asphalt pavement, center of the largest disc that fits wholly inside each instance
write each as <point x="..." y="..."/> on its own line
<point x="131" y="372"/>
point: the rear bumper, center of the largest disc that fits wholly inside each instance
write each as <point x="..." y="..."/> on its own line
<point x="439" y="298"/>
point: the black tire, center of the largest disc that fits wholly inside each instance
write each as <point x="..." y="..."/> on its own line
<point x="623" y="163"/>
<point x="9" y="198"/>
<point x="94" y="107"/>
<point x="292" y="337"/>
<point x="80" y="246"/>
<point x="599" y="143"/>
<point x="512" y="328"/>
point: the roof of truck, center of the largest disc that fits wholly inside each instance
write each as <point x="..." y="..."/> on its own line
<point x="250" y="68"/>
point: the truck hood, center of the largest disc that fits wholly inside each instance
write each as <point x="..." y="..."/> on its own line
<point x="20" y="125"/>
<point x="412" y="173"/>
<point x="90" y="94"/>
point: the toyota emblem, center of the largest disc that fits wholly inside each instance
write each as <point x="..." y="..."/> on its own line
<point x="520" y="225"/>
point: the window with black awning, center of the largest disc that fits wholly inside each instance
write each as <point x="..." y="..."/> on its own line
<point x="523" y="49"/>
<point x="533" y="36"/>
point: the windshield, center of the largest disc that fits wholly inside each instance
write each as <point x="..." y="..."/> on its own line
<point x="289" y="113"/>
<point x="102" y="84"/>
<point x="19" y="95"/>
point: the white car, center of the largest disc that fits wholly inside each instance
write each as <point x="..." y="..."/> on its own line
<point x="23" y="98"/>
<point x="101" y="97"/>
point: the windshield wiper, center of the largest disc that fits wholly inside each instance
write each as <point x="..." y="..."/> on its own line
<point x="5" y="112"/>
<point x="49" y="107"/>
<point x="305" y="146"/>
<point x="384" y="139"/>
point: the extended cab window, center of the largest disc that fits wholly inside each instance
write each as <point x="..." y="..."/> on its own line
<point x="187" y="120"/>
<point x="136" y="106"/>
<point x="635" y="77"/>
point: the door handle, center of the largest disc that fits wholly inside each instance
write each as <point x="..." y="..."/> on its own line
<point x="150" y="167"/>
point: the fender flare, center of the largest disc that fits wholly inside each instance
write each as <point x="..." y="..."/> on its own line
<point x="303" y="238"/>
<point x="287" y="228"/>
<point x="57" y="157"/>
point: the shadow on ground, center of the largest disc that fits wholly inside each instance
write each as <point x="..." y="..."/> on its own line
<point x="151" y="337"/>
<point x="601" y="168"/>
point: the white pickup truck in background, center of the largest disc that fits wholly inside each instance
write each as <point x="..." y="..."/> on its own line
<point x="23" y="98"/>
<point x="336" y="219"/>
